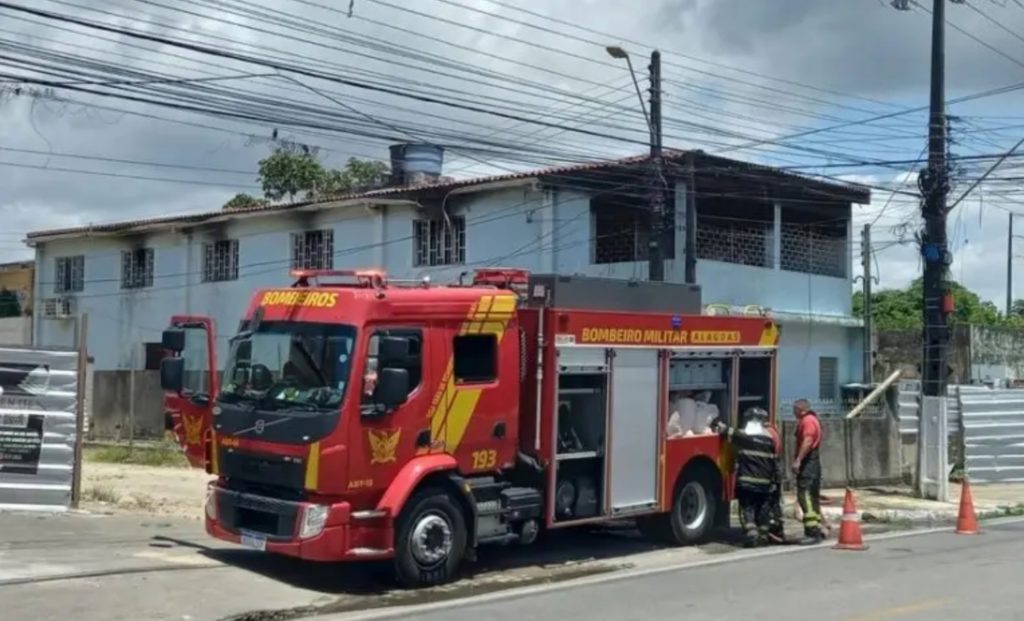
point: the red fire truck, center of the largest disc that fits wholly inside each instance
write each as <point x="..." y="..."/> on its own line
<point x="359" y="418"/>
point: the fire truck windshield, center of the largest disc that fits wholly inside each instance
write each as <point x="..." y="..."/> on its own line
<point x="286" y="371"/>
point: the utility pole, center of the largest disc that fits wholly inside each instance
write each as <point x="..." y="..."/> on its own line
<point x="1009" y="267"/>
<point x="659" y="186"/>
<point x="865" y="255"/>
<point x="934" y="183"/>
<point x="655" y="256"/>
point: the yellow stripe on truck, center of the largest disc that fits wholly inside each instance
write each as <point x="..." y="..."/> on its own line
<point x="769" y="336"/>
<point x="453" y="406"/>
<point x="313" y="466"/>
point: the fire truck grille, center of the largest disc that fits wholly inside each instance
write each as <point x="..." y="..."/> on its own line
<point x="247" y="512"/>
<point x="268" y="470"/>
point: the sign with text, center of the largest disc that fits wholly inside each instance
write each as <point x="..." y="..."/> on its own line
<point x="39" y="393"/>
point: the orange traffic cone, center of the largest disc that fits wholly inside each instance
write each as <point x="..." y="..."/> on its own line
<point x="967" y="521"/>
<point x="849" y="530"/>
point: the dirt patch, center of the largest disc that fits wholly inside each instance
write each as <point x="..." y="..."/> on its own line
<point x="152" y="490"/>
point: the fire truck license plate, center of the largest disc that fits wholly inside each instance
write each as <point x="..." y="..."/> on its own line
<point x="254" y="541"/>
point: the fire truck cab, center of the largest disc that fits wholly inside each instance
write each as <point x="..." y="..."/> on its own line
<point x="358" y="418"/>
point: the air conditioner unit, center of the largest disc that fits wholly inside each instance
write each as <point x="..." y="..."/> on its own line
<point x="58" y="308"/>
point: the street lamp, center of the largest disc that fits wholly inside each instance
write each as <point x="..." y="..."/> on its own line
<point x="619" y="53"/>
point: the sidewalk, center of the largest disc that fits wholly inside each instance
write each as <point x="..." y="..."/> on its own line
<point x="897" y="504"/>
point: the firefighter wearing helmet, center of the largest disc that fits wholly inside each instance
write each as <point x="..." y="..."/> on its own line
<point x="758" y="478"/>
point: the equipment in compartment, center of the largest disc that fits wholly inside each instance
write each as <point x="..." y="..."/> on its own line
<point x="580" y="438"/>
<point x="698" y="394"/>
<point x="696" y="374"/>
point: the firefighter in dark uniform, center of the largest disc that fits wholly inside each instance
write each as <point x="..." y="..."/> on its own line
<point x="757" y="474"/>
<point x="807" y="467"/>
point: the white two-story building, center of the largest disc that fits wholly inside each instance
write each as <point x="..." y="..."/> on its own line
<point x="764" y="237"/>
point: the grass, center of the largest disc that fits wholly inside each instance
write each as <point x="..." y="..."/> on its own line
<point x="164" y="454"/>
<point x="102" y="494"/>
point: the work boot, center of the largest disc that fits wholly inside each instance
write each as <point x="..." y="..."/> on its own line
<point x="750" y="539"/>
<point x="812" y="537"/>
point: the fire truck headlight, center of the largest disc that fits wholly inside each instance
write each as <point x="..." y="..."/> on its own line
<point x="313" y="520"/>
<point x="211" y="503"/>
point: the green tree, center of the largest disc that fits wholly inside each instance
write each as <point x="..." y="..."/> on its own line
<point x="1017" y="309"/>
<point x="356" y="176"/>
<point x="288" y="172"/>
<point x="291" y="171"/>
<point x="245" y="201"/>
<point x="9" y="304"/>
<point x="896" y="309"/>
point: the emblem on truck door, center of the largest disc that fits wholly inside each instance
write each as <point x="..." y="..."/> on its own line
<point x="384" y="445"/>
<point x="259" y="426"/>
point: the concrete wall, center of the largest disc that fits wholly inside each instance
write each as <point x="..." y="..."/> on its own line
<point x="111" y="406"/>
<point x="863" y="451"/>
<point x="901" y="350"/>
<point x="801" y="345"/>
<point x="16" y="331"/>
<point x="997" y="354"/>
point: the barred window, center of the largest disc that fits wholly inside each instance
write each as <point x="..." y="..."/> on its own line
<point x="440" y="241"/>
<point x="69" y="276"/>
<point x="730" y="240"/>
<point x="735" y="229"/>
<point x="313" y="250"/>
<point x="220" y="260"/>
<point x="828" y="378"/>
<point x="621" y="235"/>
<point x="137" y="268"/>
<point x="814" y="249"/>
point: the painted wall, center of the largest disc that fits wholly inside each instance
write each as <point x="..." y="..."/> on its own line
<point x="802" y="344"/>
<point x="540" y="230"/>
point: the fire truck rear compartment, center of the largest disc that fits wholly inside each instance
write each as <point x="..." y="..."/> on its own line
<point x="581" y="435"/>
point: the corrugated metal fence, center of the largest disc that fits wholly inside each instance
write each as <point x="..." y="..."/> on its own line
<point x="994" y="435"/>
<point x="909" y="405"/>
<point x="39" y="411"/>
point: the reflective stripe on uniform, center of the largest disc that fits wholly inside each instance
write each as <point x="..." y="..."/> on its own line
<point x="751" y="453"/>
<point x="749" y="479"/>
<point x="811" y="518"/>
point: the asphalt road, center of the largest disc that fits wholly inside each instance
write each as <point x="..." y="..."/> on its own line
<point x="112" y="567"/>
<point x="935" y="576"/>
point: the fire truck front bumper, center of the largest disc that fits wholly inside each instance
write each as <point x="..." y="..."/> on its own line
<point x="307" y="530"/>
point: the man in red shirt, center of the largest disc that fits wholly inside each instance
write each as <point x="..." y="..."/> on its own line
<point x="807" y="467"/>
<point x="776" y="528"/>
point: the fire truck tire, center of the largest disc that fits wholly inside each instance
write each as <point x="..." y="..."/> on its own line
<point x="431" y="539"/>
<point x="692" y="519"/>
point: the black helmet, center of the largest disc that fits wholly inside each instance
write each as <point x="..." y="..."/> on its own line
<point x="755" y="414"/>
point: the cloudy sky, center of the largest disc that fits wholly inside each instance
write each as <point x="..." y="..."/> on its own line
<point x="132" y="108"/>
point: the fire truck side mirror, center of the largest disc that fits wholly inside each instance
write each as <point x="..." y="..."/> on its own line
<point x="392" y="351"/>
<point x="172" y="374"/>
<point x="392" y="388"/>
<point x="173" y="339"/>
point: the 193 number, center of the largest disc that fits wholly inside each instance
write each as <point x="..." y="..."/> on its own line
<point x="484" y="460"/>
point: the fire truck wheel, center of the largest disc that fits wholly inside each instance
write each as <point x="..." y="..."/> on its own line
<point x="693" y="510"/>
<point x="431" y="539"/>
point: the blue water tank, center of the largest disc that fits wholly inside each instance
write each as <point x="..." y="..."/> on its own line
<point x="415" y="162"/>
